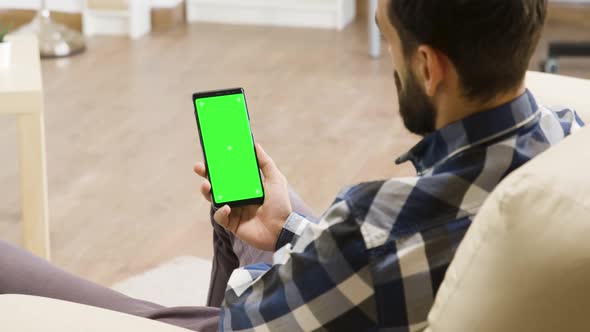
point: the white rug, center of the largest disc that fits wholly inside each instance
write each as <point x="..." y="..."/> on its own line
<point x="182" y="282"/>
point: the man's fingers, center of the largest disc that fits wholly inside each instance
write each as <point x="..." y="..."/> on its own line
<point x="200" y="169"/>
<point x="267" y="165"/>
<point x="206" y="190"/>
<point x="221" y="216"/>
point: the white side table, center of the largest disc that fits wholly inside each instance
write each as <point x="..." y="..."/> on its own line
<point x="21" y="93"/>
<point x="117" y="17"/>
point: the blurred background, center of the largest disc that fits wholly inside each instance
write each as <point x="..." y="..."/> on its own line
<point x="120" y="130"/>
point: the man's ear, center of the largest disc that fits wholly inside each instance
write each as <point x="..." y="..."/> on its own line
<point x="432" y="67"/>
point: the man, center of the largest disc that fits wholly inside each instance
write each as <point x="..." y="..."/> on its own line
<point x="377" y="257"/>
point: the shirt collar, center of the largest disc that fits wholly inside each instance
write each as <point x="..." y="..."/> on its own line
<point x="474" y="130"/>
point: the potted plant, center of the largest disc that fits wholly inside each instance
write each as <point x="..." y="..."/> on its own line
<point x="5" y="49"/>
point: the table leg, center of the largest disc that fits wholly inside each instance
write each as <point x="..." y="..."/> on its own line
<point x="34" y="184"/>
<point x="374" y="35"/>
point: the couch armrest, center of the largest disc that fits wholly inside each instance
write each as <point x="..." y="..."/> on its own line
<point x="21" y="313"/>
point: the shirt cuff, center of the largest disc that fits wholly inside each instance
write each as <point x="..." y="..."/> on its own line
<point x="292" y="230"/>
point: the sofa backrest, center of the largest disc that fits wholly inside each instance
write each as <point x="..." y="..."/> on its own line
<point x="555" y="90"/>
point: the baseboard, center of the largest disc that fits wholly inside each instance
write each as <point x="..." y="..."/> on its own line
<point x="335" y="14"/>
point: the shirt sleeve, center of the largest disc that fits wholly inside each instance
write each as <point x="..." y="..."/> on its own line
<point x="320" y="278"/>
<point x="292" y="230"/>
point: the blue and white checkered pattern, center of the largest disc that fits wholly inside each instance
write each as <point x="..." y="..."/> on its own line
<point x="378" y="256"/>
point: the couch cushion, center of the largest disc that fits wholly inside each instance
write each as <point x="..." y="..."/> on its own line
<point x="525" y="262"/>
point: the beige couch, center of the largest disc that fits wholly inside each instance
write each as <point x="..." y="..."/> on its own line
<point x="523" y="266"/>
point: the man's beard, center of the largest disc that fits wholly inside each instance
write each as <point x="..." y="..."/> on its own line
<point x="416" y="109"/>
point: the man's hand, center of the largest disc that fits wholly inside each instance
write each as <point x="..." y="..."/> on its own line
<point x="259" y="226"/>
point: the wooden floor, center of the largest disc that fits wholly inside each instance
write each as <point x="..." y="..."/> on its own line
<point x="122" y="137"/>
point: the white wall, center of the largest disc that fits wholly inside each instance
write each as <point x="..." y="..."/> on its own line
<point x="73" y="6"/>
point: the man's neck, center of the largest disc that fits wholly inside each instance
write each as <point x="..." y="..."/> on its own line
<point x="456" y="109"/>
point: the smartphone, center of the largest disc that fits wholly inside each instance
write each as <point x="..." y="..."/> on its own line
<point x="228" y="147"/>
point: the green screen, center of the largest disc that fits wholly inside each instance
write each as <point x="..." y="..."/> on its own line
<point x="229" y="148"/>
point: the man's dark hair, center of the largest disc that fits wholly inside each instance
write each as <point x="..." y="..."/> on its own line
<point x="490" y="42"/>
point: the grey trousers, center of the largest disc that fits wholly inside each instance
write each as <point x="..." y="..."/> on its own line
<point x="23" y="273"/>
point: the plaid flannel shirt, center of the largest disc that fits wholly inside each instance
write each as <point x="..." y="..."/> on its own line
<point x="379" y="254"/>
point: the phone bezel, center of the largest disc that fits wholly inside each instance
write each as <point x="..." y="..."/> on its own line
<point x="217" y="93"/>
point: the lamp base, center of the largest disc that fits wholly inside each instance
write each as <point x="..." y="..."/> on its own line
<point x="55" y="39"/>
